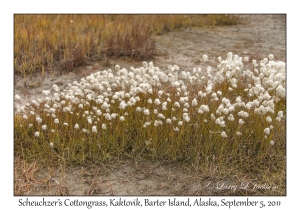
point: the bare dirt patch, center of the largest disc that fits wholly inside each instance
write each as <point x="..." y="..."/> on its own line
<point x="257" y="37"/>
<point x="138" y="178"/>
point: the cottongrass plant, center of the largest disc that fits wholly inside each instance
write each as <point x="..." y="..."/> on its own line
<point x="234" y="119"/>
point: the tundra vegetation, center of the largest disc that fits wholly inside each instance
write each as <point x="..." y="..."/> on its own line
<point x="232" y="121"/>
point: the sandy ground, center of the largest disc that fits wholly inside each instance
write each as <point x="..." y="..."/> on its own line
<point x="124" y="178"/>
<point x="139" y="178"/>
<point x="257" y="37"/>
<point x="260" y="36"/>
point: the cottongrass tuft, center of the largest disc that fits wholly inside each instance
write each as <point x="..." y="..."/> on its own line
<point x="37" y="134"/>
<point x="267" y="131"/>
<point x="119" y="111"/>
<point x="223" y="134"/>
<point x="76" y="126"/>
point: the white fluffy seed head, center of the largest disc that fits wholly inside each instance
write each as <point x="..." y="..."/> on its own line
<point x="17" y="97"/>
<point x="160" y="93"/>
<point x="280" y="114"/>
<point x="146" y="112"/>
<point x="39" y="120"/>
<point x="269" y="119"/>
<point x="194" y="102"/>
<point x="200" y="111"/>
<point x="267" y="131"/>
<point x="122" y="105"/>
<point x="94" y="129"/>
<point x="186" y="118"/>
<point x="223" y="134"/>
<point x="231" y="117"/>
<point x="238" y="133"/>
<point x="161" y="116"/>
<point x="271" y="57"/>
<point x="37" y="134"/>
<point x="117" y="67"/>
<point x="76" y="126"/>
<point x="108" y="116"/>
<point x="44" y="127"/>
<point x="157" y="102"/>
<point x="146" y="124"/>
<point x="241" y="121"/>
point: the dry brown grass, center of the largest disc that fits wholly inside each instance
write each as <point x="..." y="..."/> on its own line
<point x="25" y="176"/>
<point x="138" y="177"/>
<point x="61" y="42"/>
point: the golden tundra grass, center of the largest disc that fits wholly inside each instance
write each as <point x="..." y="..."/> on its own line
<point x="62" y="42"/>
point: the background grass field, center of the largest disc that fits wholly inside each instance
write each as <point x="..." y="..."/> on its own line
<point x="62" y="42"/>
